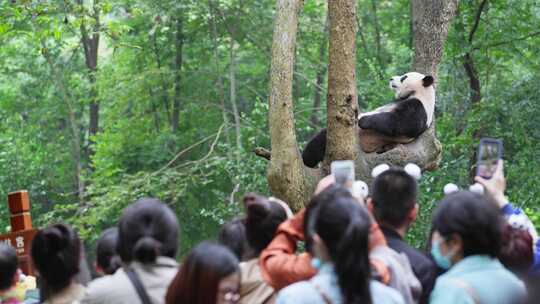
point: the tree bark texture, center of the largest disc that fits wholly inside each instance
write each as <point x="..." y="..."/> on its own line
<point x="431" y="19"/>
<point x="288" y="179"/>
<point x="342" y="116"/>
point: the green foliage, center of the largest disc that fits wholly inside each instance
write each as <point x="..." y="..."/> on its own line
<point x="198" y="169"/>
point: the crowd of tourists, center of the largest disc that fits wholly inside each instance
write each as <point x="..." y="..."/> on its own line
<point x="341" y="248"/>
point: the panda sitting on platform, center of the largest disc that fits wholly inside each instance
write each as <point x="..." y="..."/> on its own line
<point x="400" y="122"/>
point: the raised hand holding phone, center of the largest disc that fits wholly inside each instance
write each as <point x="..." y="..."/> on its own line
<point x="343" y="172"/>
<point x="496" y="185"/>
<point x="489" y="153"/>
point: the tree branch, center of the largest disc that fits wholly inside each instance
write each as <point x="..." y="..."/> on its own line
<point x="477" y="20"/>
<point x="496" y="44"/>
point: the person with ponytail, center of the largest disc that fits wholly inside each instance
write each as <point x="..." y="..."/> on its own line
<point x="148" y="234"/>
<point x="263" y="216"/>
<point x="339" y="244"/>
<point x="56" y="254"/>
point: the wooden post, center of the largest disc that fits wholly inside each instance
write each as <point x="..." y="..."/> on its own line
<point x="22" y="232"/>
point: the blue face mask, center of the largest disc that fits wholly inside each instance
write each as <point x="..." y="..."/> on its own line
<point x="316" y="263"/>
<point x="441" y="260"/>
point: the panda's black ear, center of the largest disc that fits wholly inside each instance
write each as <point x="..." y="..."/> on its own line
<point x="427" y="81"/>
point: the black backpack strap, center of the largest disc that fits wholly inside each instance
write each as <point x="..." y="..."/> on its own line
<point x="134" y="278"/>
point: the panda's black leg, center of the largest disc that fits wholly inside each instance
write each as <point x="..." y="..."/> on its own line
<point x="385" y="123"/>
<point x="314" y="151"/>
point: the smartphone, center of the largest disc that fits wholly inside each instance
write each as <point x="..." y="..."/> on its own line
<point x="343" y="172"/>
<point x="490" y="152"/>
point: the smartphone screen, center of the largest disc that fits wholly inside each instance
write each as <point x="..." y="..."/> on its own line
<point x="343" y="172"/>
<point x="489" y="153"/>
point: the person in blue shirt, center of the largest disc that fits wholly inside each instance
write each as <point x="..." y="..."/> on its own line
<point x="338" y="233"/>
<point x="466" y="241"/>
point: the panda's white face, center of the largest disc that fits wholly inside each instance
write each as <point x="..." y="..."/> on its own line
<point x="414" y="84"/>
<point x="410" y="83"/>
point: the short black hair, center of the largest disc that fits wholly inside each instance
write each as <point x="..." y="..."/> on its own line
<point x="474" y="218"/>
<point x="147" y="229"/>
<point x="8" y="266"/>
<point x="393" y="195"/>
<point x="233" y="236"/>
<point x="106" y="256"/>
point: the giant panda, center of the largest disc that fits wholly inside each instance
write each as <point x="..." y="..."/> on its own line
<point x="402" y="121"/>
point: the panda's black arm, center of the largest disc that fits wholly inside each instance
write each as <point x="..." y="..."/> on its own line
<point x="385" y="123"/>
<point x="314" y="151"/>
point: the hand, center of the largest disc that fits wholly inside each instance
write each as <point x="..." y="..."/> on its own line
<point x="496" y="185"/>
<point x="284" y="205"/>
<point x="324" y="183"/>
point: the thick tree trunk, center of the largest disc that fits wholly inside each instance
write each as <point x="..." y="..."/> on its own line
<point x="342" y="134"/>
<point x="431" y="19"/>
<point x="287" y="177"/>
<point x="179" y="44"/>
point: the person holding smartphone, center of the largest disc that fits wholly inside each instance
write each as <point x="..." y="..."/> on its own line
<point x="495" y="188"/>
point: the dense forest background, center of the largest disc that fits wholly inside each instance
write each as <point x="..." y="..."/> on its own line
<point x="106" y="101"/>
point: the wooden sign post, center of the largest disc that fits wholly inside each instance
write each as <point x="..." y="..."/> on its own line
<point x="22" y="232"/>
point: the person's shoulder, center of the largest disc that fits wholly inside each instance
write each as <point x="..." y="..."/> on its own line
<point x="382" y="294"/>
<point x="448" y="289"/>
<point x="300" y="292"/>
<point x="102" y="289"/>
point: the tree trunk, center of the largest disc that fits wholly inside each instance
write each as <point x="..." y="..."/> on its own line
<point x="468" y="60"/>
<point x="342" y="134"/>
<point x="317" y="100"/>
<point x="164" y="92"/>
<point x="179" y="44"/>
<point x="90" y="45"/>
<point x="431" y="19"/>
<point x="236" y="113"/>
<point x="287" y="177"/>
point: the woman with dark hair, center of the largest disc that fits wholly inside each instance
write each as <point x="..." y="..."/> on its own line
<point x="56" y="253"/>
<point x="147" y="243"/>
<point x="280" y="264"/>
<point x="340" y="246"/>
<point x="466" y="241"/>
<point x="107" y="260"/>
<point x="233" y="236"/>
<point x="263" y="216"/>
<point x="208" y="275"/>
